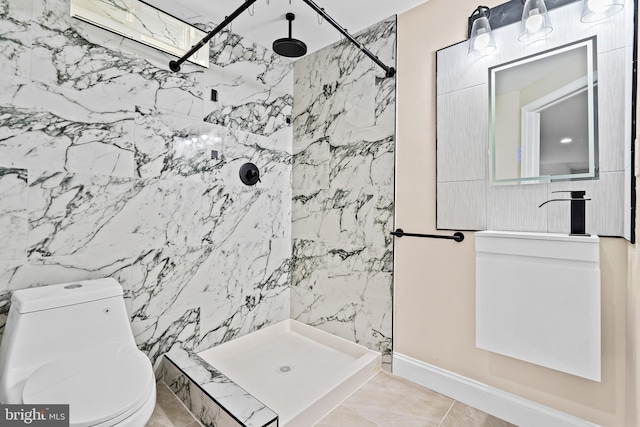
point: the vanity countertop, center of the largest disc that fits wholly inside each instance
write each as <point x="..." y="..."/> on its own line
<point x="542" y="245"/>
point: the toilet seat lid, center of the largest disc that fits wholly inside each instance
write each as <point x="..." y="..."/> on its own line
<point x="97" y="386"/>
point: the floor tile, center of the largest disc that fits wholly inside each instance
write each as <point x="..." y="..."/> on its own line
<point x="395" y="402"/>
<point x="343" y="416"/>
<point x="173" y="407"/>
<point x="463" y="415"/>
<point x="169" y="411"/>
<point x="159" y="418"/>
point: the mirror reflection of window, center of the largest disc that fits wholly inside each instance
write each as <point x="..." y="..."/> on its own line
<point x="543" y="122"/>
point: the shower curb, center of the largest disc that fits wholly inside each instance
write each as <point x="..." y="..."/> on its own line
<point x="210" y="395"/>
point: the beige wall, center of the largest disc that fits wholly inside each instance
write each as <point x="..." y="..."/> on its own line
<point x="434" y="316"/>
<point x="633" y="311"/>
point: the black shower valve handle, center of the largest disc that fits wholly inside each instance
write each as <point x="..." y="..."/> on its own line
<point x="249" y="174"/>
<point x="252" y="173"/>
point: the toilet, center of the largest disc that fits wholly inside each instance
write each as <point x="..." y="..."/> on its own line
<point x="72" y="344"/>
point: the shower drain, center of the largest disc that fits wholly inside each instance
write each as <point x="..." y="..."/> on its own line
<point x="284" y="369"/>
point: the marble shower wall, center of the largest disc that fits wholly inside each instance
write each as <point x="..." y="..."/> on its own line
<point x="106" y="170"/>
<point x="343" y="169"/>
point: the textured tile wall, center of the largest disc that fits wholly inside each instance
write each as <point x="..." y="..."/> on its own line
<point x="343" y="168"/>
<point x="106" y="170"/>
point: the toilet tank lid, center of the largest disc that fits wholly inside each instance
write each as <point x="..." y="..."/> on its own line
<point x="53" y="296"/>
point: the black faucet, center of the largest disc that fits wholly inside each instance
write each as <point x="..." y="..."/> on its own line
<point x="577" y="211"/>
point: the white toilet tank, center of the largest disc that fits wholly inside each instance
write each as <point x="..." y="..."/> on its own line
<point x="51" y="322"/>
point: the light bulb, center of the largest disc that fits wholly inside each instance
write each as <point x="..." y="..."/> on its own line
<point x="598" y="6"/>
<point x="566" y="141"/>
<point x="534" y="22"/>
<point x="482" y="41"/>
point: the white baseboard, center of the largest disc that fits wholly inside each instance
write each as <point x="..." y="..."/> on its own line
<point x="507" y="406"/>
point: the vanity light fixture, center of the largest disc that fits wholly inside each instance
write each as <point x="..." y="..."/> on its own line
<point x="481" y="41"/>
<point x="535" y="23"/>
<point x="597" y="10"/>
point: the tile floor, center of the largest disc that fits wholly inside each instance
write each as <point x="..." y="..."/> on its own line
<point x="169" y="410"/>
<point x="385" y="401"/>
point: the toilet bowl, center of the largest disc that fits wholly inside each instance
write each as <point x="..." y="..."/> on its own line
<point x="72" y="344"/>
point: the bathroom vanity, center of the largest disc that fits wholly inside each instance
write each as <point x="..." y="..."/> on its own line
<point x="538" y="299"/>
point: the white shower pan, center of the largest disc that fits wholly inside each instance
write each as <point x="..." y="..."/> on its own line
<point x="300" y="372"/>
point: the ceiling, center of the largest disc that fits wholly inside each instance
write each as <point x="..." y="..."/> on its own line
<point x="268" y="22"/>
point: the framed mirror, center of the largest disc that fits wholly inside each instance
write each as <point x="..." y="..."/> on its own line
<point x="543" y="118"/>
<point x="481" y="181"/>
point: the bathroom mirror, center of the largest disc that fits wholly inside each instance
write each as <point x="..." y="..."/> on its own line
<point x="476" y="190"/>
<point x="543" y="119"/>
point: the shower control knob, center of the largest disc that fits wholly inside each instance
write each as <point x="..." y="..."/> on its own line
<point x="249" y="174"/>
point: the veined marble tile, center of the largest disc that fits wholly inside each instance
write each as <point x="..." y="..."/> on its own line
<point x="344" y="62"/>
<point x="5" y="299"/>
<point x="13" y="213"/>
<point x="172" y="280"/>
<point x="208" y="412"/>
<point x="171" y="146"/>
<point x="167" y="280"/>
<point x="276" y="72"/>
<point x="383" y="224"/>
<point x="242" y="304"/>
<point x="308" y="214"/>
<point x="363" y="163"/>
<point x="311" y="165"/>
<point x="269" y="154"/>
<point x="355" y="307"/>
<point x="246" y="105"/>
<point x="353" y="258"/>
<point x="385" y="102"/>
<point x="35" y="271"/>
<point x="158" y="336"/>
<point x="339" y="216"/>
<point x="53" y="129"/>
<point x="342" y="214"/>
<point x="334" y="109"/>
<point x="380" y="38"/>
<point x="308" y="269"/>
<point x="23" y="273"/>
<point x="243" y="406"/>
<point x="70" y="53"/>
<point x="15" y="37"/>
<point x="224" y="214"/>
<point x="76" y="214"/>
<point x="242" y="57"/>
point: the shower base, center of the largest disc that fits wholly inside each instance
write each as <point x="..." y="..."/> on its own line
<point x="299" y="372"/>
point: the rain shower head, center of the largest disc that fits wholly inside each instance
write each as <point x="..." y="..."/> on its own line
<point x="288" y="46"/>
